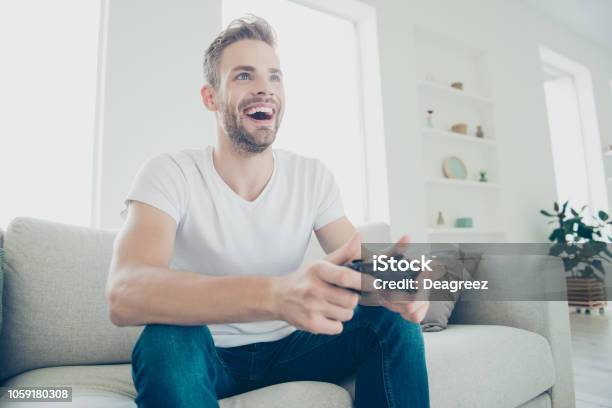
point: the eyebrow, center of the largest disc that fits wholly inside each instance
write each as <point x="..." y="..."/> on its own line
<point x="250" y="68"/>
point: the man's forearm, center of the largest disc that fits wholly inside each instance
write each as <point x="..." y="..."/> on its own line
<point x="146" y="294"/>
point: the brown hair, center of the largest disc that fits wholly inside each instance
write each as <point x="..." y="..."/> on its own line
<point x="249" y="27"/>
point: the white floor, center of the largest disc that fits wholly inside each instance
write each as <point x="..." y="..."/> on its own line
<point x="592" y="352"/>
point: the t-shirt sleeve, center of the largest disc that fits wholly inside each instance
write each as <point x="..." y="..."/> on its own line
<point x="161" y="183"/>
<point x="329" y="202"/>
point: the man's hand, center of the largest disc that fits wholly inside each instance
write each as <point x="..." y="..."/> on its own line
<point x="413" y="310"/>
<point x="316" y="298"/>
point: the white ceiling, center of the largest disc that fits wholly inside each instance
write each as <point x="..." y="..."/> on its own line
<point x="589" y="18"/>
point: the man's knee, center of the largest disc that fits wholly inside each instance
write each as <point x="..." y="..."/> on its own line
<point x="387" y="323"/>
<point x="168" y="342"/>
<point x="172" y="366"/>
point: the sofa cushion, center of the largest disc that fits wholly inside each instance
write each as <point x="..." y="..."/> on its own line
<point x="458" y="265"/>
<point x="1" y="274"/>
<point x="487" y="366"/>
<point x="55" y="312"/>
<point x="469" y="366"/>
<point x="110" y="386"/>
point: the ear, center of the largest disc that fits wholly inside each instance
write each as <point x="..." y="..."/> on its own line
<point x="208" y="97"/>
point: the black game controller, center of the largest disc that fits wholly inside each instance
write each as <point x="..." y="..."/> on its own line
<point x="362" y="266"/>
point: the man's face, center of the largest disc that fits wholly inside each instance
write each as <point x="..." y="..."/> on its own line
<point x="251" y="96"/>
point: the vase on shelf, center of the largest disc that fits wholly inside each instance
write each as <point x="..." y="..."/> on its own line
<point x="430" y="118"/>
<point x="457" y="85"/>
<point x="440" y="221"/>
<point x="479" y="132"/>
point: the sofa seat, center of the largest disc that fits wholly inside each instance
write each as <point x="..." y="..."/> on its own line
<point x="487" y="366"/>
<point x="518" y="366"/>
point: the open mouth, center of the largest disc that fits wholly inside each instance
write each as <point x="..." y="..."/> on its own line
<point x="261" y="113"/>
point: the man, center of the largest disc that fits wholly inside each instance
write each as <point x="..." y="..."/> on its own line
<point x="209" y="259"/>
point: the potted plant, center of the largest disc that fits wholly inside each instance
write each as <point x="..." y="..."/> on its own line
<point x="582" y="245"/>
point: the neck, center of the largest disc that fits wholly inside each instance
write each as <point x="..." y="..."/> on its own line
<point x="246" y="174"/>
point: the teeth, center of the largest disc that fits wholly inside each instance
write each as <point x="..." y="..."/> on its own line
<point x="255" y="109"/>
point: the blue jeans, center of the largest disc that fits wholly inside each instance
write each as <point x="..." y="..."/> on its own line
<point x="179" y="366"/>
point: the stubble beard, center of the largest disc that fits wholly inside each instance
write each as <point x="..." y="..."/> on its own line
<point x="243" y="141"/>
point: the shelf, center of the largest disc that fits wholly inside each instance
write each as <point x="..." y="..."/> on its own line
<point x="461" y="183"/>
<point x="458" y="137"/>
<point x="465" y="231"/>
<point x="448" y="90"/>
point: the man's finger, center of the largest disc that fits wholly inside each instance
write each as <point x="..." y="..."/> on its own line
<point x="412" y="311"/>
<point x="347" y="252"/>
<point x="323" y="325"/>
<point x="399" y="246"/>
<point x="417" y="316"/>
<point x="338" y="313"/>
<point x="340" y="297"/>
<point x="340" y="276"/>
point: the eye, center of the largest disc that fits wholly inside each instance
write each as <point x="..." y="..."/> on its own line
<point x="275" y="78"/>
<point x="243" y="76"/>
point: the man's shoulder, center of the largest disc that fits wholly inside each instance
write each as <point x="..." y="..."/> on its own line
<point x="298" y="162"/>
<point x="183" y="160"/>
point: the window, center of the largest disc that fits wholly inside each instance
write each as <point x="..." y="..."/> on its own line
<point x="48" y="81"/>
<point x="574" y="133"/>
<point x="320" y="56"/>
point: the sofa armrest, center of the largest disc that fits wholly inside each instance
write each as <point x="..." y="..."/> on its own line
<point x="1" y="275"/>
<point x="547" y="318"/>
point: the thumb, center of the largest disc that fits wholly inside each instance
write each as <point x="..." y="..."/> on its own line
<point x="347" y="252"/>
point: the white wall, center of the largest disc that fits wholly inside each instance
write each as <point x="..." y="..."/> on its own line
<point x="153" y="78"/>
<point x="510" y="33"/>
<point x="151" y="89"/>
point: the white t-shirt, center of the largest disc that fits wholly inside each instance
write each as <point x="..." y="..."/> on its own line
<point x="220" y="233"/>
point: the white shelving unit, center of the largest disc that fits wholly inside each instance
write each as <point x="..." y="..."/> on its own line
<point x="442" y="61"/>
<point x="456" y="137"/>
<point x="462" y="183"/>
<point x="455" y="93"/>
<point x="468" y="231"/>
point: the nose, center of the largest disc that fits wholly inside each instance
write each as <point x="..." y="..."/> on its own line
<point x="263" y="87"/>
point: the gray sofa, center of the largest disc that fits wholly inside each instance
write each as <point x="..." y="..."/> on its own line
<point x="56" y="331"/>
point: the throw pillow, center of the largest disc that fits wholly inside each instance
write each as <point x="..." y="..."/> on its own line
<point x="456" y="265"/>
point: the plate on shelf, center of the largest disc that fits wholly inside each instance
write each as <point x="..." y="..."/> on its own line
<point x="454" y="168"/>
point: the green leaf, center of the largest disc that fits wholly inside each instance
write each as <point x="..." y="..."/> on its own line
<point x="596" y="263"/>
<point x="603" y="215"/>
<point x="574" y="212"/>
<point x="564" y="207"/>
<point x="557" y="235"/>
<point x="571" y="249"/>
<point x="556" y="206"/>
<point x="585" y="231"/>
<point x="556" y="249"/>
<point x="546" y="213"/>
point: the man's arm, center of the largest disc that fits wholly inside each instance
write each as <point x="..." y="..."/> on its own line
<point x="142" y="288"/>
<point x="335" y="234"/>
